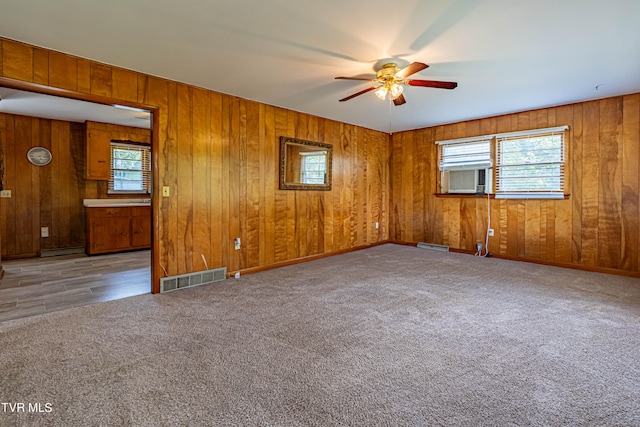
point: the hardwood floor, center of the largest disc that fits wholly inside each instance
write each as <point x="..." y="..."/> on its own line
<point x="40" y="285"/>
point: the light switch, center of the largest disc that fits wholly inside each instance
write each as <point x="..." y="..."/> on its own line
<point x="5" y="194"/>
<point x="165" y="191"/>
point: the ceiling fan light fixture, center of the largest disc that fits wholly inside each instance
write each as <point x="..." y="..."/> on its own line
<point x="390" y="80"/>
<point x="396" y="91"/>
<point x="381" y="92"/>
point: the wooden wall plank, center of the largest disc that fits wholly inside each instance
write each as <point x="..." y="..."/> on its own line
<point x="40" y="66"/>
<point x="84" y="76"/>
<point x="184" y="199"/>
<point x="630" y="211"/>
<point x="202" y="180"/>
<point x="63" y="71"/>
<point x="217" y="195"/>
<point x="10" y="150"/>
<point x="125" y="84"/>
<point x="610" y="185"/>
<point x="48" y="195"/>
<point x="17" y="61"/>
<point x="532" y="225"/>
<point x="559" y="116"/>
<point x="26" y="187"/>
<point x="576" y="183"/>
<point x="101" y="79"/>
<point x="590" y="182"/>
<point x="254" y="225"/>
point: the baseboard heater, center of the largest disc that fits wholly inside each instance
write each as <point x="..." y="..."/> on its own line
<point x="172" y="283"/>
<point x="433" y="247"/>
<point x="61" y="251"/>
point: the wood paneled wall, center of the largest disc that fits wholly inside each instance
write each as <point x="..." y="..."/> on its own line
<point x="49" y="196"/>
<point x="219" y="156"/>
<point x="597" y="226"/>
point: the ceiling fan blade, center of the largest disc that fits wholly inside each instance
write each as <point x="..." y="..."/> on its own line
<point x="432" y="83"/>
<point x="399" y="100"/>
<point x="369" y="89"/>
<point x="412" y="68"/>
<point x="356" y="78"/>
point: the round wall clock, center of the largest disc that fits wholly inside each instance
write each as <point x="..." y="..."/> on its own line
<point x="39" y="156"/>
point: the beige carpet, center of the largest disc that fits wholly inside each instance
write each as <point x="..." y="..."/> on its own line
<point x="390" y="335"/>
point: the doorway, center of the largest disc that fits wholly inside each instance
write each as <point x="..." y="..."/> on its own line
<point x="29" y="281"/>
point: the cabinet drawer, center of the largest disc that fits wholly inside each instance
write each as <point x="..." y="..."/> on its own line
<point x="109" y="212"/>
<point x="141" y="211"/>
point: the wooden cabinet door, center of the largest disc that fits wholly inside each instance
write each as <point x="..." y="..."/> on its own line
<point x="98" y="155"/>
<point x="109" y="234"/>
<point x="141" y="231"/>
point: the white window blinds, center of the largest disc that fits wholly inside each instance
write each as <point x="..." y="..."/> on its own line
<point x="531" y="164"/>
<point x="130" y="168"/>
<point x="465" y="154"/>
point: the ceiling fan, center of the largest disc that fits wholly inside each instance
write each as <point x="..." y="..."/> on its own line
<point x="390" y="80"/>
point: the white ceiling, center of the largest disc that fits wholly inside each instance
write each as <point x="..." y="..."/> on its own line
<point x="506" y="55"/>
<point x="52" y="107"/>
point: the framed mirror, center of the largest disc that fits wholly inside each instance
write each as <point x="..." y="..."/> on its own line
<point x="305" y="165"/>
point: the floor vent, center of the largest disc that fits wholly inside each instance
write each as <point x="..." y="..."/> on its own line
<point x="173" y="283"/>
<point x="61" y="251"/>
<point x="441" y="248"/>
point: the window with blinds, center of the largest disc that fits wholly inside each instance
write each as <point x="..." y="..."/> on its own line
<point x="130" y="168"/>
<point x="473" y="154"/>
<point x="531" y="164"/>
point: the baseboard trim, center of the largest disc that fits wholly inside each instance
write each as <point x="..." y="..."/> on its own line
<point x="300" y="260"/>
<point x="62" y="251"/>
<point x="605" y="270"/>
<point x="20" y="256"/>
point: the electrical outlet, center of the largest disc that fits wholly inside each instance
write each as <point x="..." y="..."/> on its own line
<point x="44" y="231"/>
<point x="236" y="243"/>
<point x="5" y="194"/>
<point x="490" y="232"/>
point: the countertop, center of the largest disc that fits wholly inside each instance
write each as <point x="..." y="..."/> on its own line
<point x="115" y="203"/>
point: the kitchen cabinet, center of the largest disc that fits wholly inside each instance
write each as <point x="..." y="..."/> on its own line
<point x="98" y="154"/>
<point x="117" y="229"/>
<point x="141" y="227"/>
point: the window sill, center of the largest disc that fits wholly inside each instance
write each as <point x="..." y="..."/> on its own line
<point x="493" y="196"/>
<point x="463" y="195"/>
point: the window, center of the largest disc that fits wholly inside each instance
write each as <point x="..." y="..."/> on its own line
<point x="475" y="154"/>
<point x="531" y="164"/>
<point x="528" y="164"/>
<point x="465" y="165"/>
<point x="313" y="167"/>
<point x="130" y="168"/>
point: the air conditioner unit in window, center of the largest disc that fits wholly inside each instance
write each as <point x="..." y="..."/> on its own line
<point x="466" y="181"/>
